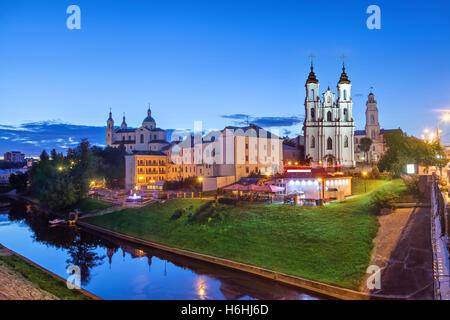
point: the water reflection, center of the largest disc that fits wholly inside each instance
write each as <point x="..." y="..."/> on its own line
<point x="114" y="269"/>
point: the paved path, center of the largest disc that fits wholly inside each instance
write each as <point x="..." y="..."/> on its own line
<point x="404" y="254"/>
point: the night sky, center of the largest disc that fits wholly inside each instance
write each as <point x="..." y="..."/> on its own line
<point x="215" y="61"/>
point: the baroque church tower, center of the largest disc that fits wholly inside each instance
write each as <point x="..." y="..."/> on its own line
<point x="328" y="125"/>
<point x="372" y="124"/>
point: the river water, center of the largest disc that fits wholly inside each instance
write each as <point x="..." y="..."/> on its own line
<point x="116" y="269"/>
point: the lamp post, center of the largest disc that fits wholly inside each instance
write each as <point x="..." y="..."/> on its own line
<point x="364" y="175"/>
<point x="445" y="118"/>
<point x="321" y="194"/>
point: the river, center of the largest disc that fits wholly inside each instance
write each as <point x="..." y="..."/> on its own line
<point x="115" y="269"/>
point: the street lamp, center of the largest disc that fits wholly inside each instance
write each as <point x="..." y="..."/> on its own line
<point x="322" y="193"/>
<point x="445" y="118"/>
<point x="364" y="174"/>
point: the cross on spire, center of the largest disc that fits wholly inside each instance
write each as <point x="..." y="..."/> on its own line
<point x="343" y="57"/>
<point x="312" y="56"/>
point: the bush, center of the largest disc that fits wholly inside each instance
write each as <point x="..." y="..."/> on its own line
<point x="383" y="199"/>
<point x="227" y="201"/>
<point x="412" y="183"/>
<point x="178" y="213"/>
<point x="375" y="173"/>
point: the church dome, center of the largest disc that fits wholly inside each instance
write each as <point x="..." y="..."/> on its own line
<point x="149" y="119"/>
<point x="312" y="77"/>
<point x="344" y="77"/>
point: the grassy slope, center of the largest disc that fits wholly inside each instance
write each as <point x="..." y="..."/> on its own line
<point x="41" y="279"/>
<point x="331" y="244"/>
<point x="88" y="205"/>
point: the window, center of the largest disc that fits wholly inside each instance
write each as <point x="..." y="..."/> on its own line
<point x="329" y="116"/>
<point x="329" y="99"/>
<point x="329" y="144"/>
<point x="246" y="146"/>
<point x="345" y="142"/>
<point x="313" y="114"/>
<point x="312" y="94"/>
<point x="372" y="119"/>
<point x="345" y="114"/>
<point x="313" y="142"/>
<point x="373" y="134"/>
<point x="345" y="94"/>
<point x="247" y="170"/>
<point x="142" y="138"/>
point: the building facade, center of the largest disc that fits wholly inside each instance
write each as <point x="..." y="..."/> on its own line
<point x="219" y="157"/>
<point x="329" y="126"/>
<point x="147" y="137"/>
<point x="14" y="156"/>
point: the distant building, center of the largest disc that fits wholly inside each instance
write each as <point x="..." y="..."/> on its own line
<point x="291" y="155"/>
<point x="14" y="156"/>
<point x="220" y="158"/>
<point x="372" y="131"/>
<point x="4" y="174"/>
<point x="145" y="138"/>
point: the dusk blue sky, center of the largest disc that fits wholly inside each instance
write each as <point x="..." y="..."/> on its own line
<point x="214" y="61"/>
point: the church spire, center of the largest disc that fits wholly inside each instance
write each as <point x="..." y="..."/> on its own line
<point x="344" y="77"/>
<point x="312" y="76"/>
<point x="124" y="124"/>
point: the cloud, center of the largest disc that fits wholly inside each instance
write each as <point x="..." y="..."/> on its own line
<point x="267" y="122"/>
<point x="33" y="137"/>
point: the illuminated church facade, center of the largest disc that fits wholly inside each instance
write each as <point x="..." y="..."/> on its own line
<point x="328" y="126"/>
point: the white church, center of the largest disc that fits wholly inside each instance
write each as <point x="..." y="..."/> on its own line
<point x="329" y="126"/>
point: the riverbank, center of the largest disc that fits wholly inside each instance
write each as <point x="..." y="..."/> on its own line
<point x="21" y="279"/>
<point x="331" y="245"/>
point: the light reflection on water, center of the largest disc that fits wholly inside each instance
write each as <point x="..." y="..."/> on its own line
<point x="114" y="269"/>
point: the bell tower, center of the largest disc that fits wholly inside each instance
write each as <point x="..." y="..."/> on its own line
<point x="372" y="124"/>
<point x="109" y="129"/>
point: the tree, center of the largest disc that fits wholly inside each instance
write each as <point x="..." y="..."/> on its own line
<point x="364" y="145"/>
<point x="19" y="181"/>
<point x="403" y="150"/>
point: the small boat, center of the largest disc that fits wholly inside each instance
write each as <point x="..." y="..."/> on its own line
<point x="57" y="221"/>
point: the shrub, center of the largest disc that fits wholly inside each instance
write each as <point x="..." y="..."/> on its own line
<point x="383" y="199"/>
<point x="412" y="183"/>
<point x="375" y="173"/>
<point x="227" y="201"/>
<point x="178" y="213"/>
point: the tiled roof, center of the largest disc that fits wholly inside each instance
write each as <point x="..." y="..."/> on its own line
<point x="149" y="153"/>
<point x="125" y="130"/>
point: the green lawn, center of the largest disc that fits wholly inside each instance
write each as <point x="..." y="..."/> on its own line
<point x="371" y="184"/>
<point x="331" y="244"/>
<point x="41" y="279"/>
<point x="88" y="205"/>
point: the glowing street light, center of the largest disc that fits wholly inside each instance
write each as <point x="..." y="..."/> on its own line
<point x="364" y="174"/>
<point x="200" y="179"/>
<point x="445" y="118"/>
